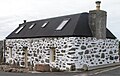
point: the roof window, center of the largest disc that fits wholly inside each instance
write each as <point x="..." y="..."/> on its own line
<point x="33" y="24"/>
<point x="19" y="29"/>
<point x="44" y="24"/>
<point x="64" y="22"/>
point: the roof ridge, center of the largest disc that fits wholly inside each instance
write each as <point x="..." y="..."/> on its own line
<point x="53" y="17"/>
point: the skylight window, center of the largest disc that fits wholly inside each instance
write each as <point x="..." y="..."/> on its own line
<point x="44" y="24"/>
<point x="19" y="29"/>
<point x="64" y="22"/>
<point x="33" y="24"/>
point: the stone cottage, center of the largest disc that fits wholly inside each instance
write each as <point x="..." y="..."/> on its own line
<point x="77" y="39"/>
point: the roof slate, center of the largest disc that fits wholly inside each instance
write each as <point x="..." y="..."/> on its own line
<point x="77" y="26"/>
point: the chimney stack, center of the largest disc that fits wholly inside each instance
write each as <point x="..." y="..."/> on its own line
<point x="97" y="22"/>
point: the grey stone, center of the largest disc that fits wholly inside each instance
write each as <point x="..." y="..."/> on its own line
<point x="111" y="58"/>
<point x="92" y="62"/>
<point x="89" y="46"/>
<point x="68" y="56"/>
<point x="93" y="55"/>
<point x="116" y="57"/>
<point x="59" y="54"/>
<point x="115" y="51"/>
<point x="73" y="67"/>
<point x="80" y="53"/>
<point x="74" y="57"/>
<point x="29" y="54"/>
<point x="86" y="51"/>
<point x="72" y="49"/>
<point x="95" y="48"/>
<point x="42" y="61"/>
<point x="71" y="52"/>
<point x="35" y="55"/>
<point x="36" y="59"/>
<point x="65" y="46"/>
<point x="104" y="50"/>
<point x="77" y="45"/>
<point x="63" y="51"/>
<point x="106" y="58"/>
<point x="94" y="51"/>
<point x="88" y="56"/>
<point x="69" y="63"/>
<point x="22" y="63"/>
<point x="102" y="55"/>
<point x="23" y="53"/>
<point x="100" y="50"/>
<point x="110" y="52"/>
<point x="47" y="60"/>
<point x="83" y="47"/>
<point x="100" y="62"/>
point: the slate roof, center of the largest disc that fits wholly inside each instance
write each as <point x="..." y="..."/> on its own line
<point x="77" y="26"/>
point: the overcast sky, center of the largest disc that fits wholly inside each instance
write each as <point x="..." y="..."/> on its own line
<point x="13" y="12"/>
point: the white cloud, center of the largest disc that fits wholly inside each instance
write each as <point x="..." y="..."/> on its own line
<point x="14" y="11"/>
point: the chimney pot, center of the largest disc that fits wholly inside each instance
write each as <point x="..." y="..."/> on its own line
<point x="98" y="5"/>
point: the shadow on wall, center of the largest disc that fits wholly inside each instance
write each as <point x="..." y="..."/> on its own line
<point x="1" y="51"/>
<point x="119" y="48"/>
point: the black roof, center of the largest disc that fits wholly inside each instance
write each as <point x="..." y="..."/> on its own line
<point x="77" y="26"/>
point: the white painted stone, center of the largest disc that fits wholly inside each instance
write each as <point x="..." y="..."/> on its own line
<point x="39" y="48"/>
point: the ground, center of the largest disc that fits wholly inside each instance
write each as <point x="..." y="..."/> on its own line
<point x="111" y="71"/>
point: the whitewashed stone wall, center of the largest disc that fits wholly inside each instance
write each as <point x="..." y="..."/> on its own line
<point x="69" y="50"/>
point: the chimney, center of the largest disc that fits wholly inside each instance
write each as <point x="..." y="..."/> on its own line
<point x="97" y="22"/>
<point x="24" y="21"/>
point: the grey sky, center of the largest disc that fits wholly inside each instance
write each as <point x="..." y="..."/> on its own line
<point x="13" y="12"/>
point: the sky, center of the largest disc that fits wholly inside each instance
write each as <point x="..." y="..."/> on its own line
<point x="13" y="12"/>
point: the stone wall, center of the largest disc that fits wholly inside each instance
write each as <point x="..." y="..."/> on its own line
<point x="69" y="51"/>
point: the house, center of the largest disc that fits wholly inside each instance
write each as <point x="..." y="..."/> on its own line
<point x="78" y="39"/>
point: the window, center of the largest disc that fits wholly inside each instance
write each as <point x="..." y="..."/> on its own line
<point x="64" y="22"/>
<point x="25" y="55"/>
<point x="52" y="55"/>
<point x="11" y="52"/>
<point x="44" y="24"/>
<point x="19" y="29"/>
<point x="33" y="24"/>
